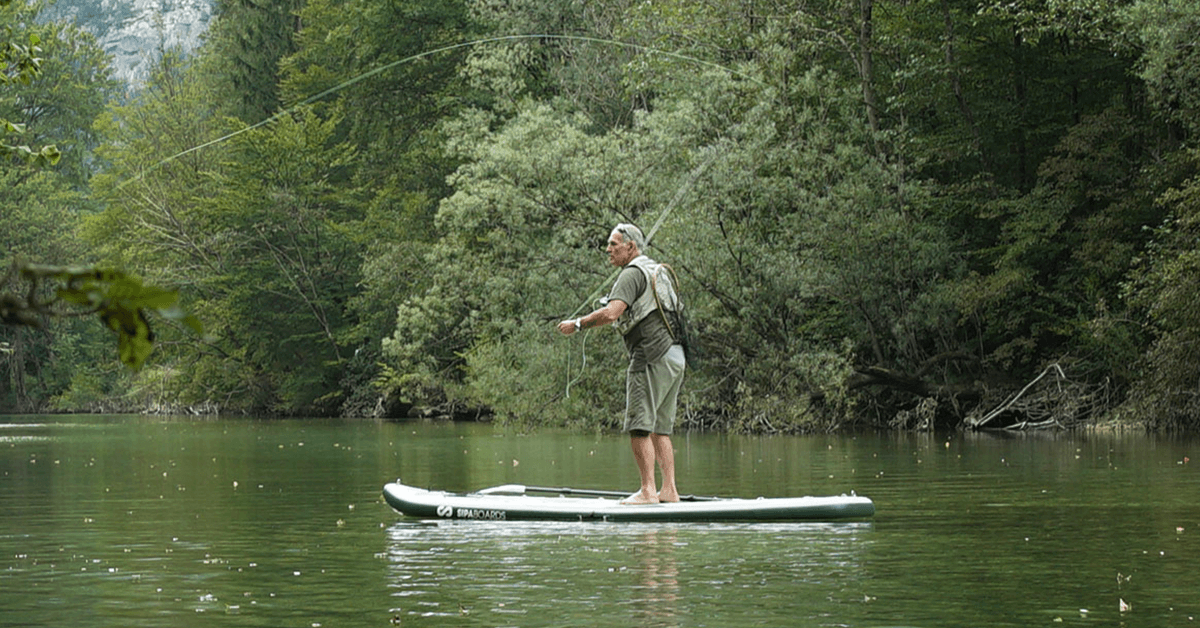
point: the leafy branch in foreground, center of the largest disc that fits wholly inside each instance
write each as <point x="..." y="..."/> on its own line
<point x="120" y="300"/>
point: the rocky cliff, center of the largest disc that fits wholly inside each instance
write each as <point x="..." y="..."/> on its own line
<point x="135" y="32"/>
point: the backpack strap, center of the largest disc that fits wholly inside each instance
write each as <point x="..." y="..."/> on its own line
<point x="674" y="283"/>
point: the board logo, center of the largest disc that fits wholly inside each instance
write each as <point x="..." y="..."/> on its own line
<point x="445" y="511"/>
<point x="480" y="513"/>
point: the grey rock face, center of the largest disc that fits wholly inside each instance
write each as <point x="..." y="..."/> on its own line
<point x="135" y="32"/>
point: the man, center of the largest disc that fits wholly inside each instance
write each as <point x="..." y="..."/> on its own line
<point x="642" y="306"/>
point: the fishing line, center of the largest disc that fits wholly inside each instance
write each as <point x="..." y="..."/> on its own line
<point x="428" y="53"/>
<point x="582" y="367"/>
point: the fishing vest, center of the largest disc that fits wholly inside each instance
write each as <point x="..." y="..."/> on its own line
<point x="659" y="295"/>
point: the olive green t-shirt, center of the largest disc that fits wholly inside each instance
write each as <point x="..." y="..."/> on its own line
<point x="649" y="340"/>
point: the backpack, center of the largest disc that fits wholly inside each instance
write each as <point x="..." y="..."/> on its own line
<point x="675" y="320"/>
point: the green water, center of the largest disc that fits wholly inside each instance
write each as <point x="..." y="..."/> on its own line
<point x="129" y="521"/>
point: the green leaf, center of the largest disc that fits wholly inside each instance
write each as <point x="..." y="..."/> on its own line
<point x="120" y="300"/>
<point x="81" y="297"/>
<point x="154" y="298"/>
<point x="135" y="341"/>
<point x="50" y="155"/>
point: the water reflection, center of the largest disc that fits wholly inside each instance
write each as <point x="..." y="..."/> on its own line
<point x="652" y="575"/>
<point x="659" y="579"/>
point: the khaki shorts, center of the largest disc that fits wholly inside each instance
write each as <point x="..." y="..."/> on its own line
<point x="651" y="394"/>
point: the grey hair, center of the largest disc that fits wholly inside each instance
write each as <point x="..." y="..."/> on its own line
<point x="631" y="233"/>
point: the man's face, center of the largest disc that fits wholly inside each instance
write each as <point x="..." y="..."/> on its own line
<point x="620" y="252"/>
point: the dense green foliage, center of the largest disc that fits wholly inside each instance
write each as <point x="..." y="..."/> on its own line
<point x="881" y="213"/>
<point x="243" y="53"/>
<point x="51" y="98"/>
<point x="20" y="65"/>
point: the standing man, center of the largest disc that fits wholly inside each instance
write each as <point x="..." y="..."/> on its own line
<point x="643" y="306"/>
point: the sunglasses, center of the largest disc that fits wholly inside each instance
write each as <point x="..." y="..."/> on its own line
<point x="624" y="231"/>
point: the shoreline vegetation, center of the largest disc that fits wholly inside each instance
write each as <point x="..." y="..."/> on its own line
<point x="1049" y="402"/>
<point x="918" y="216"/>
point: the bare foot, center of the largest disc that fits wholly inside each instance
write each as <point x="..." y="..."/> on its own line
<point x="639" y="498"/>
<point x="668" y="496"/>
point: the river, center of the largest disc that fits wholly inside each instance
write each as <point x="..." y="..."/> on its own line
<point x="134" y="521"/>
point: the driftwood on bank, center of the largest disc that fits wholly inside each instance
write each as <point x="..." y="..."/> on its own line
<point x="1050" y="400"/>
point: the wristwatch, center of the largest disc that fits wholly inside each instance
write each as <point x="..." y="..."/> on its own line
<point x="577" y="324"/>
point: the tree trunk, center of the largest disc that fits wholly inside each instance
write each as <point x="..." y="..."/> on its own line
<point x="866" y="63"/>
<point x="964" y="108"/>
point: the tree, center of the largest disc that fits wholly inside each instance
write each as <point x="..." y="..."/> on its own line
<point x="1045" y="159"/>
<point x="780" y="241"/>
<point x="874" y="208"/>
<point x="61" y="106"/>
<point x="291" y="255"/>
<point x="389" y="89"/>
<point x="57" y="97"/>
<point x="19" y="65"/>
<point x="245" y="45"/>
<point x="39" y="212"/>
<point x="1162" y="284"/>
